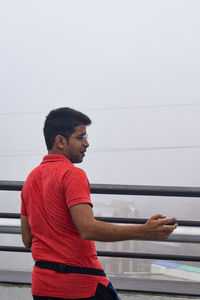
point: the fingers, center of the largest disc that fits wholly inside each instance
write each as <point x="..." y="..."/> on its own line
<point x="167" y="221"/>
<point x="170" y="228"/>
<point x="158" y="216"/>
<point x="165" y="232"/>
<point x="164" y="236"/>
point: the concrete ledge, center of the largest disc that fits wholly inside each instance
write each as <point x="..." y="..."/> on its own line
<point x="164" y="287"/>
<point x="15" y="277"/>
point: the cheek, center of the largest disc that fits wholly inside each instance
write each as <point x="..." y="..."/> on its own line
<point x="75" y="151"/>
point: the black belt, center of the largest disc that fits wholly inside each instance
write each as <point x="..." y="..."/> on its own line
<point x="61" y="268"/>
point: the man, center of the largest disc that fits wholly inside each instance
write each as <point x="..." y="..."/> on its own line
<point x="57" y="220"/>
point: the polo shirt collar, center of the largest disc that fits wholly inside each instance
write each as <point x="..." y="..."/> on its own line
<point x="55" y="157"/>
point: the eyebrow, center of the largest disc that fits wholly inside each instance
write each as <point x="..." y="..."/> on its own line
<point x="82" y="134"/>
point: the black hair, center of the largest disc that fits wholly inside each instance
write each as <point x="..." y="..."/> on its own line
<point x="62" y="121"/>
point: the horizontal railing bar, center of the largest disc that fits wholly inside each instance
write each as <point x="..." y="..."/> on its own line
<point x="10" y="229"/>
<point x="120" y="254"/>
<point x="9" y="215"/>
<point x="115" y="220"/>
<point x="142" y="221"/>
<point x="183" y="238"/>
<point x="149" y="256"/>
<point x="115" y="189"/>
<point x="145" y="190"/>
<point x="6" y="185"/>
<point x="176" y="238"/>
<point x="14" y="249"/>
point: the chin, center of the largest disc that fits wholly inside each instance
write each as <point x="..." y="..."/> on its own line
<point x="78" y="161"/>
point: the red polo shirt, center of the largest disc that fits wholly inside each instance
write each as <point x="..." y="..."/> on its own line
<point x="48" y="193"/>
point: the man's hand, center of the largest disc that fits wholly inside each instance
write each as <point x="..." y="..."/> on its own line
<point x="157" y="227"/>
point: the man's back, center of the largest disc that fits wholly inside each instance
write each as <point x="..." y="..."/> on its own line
<point x="49" y="191"/>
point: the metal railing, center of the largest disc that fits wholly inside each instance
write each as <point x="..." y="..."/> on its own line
<point x="143" y="190"/>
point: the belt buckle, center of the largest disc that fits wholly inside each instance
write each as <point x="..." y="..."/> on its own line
<point x="61" y="268"/>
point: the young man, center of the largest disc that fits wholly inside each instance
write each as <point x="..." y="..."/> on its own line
<point x="57" y="220"/>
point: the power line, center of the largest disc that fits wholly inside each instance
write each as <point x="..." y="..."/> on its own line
<point x="23" y="113"/>
<point x="136" y="107"/>
<point x="19" y="153"/>
<point x="143" y="107"/>
<point x="158" y="148"/>
<point x="104" y="150"/>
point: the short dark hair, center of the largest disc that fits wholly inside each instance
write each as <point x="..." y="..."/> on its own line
<point x="62" y="121"/>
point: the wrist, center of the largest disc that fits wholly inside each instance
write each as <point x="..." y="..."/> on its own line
<point x="143" y="231"/>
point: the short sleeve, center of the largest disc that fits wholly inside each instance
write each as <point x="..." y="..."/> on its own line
<point x="76" y="187"/>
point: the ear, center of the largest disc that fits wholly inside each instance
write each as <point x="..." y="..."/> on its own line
<point x="60" y="141"/>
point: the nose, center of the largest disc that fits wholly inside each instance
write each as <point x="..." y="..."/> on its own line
<point x="86" y="144"/>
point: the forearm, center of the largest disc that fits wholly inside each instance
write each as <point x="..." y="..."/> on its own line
<point x="107" y="232"/>
<point x="26" y="232"/>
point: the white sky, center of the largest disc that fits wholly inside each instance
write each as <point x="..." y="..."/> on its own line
<point x="132" y="66"/>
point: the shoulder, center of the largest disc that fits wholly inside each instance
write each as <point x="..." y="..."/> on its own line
<point x="75" y="178"/>
<point x="29" y="183"/>
<point x="75" y="173"/>
<point x="31" y="175"/>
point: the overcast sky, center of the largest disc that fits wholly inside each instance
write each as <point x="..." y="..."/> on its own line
<point x="132" y="66"/>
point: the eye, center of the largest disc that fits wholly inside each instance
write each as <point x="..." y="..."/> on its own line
<point x="80" y="138"/>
